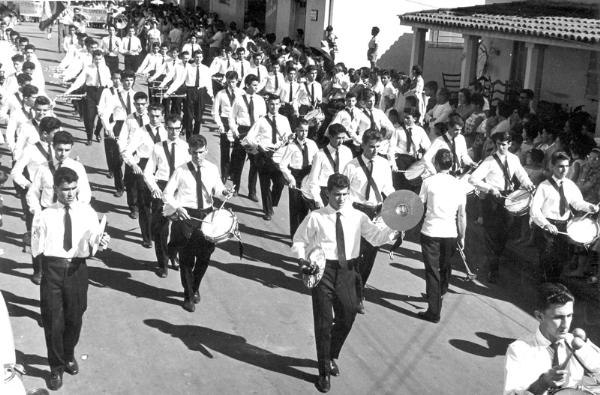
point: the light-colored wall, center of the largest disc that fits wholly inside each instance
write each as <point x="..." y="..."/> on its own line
<point x="229" y="11"/>
<point x="313" y="31"/>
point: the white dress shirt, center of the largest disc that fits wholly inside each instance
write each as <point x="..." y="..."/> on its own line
<point x="31" y="158"/>
<point x="261" y="72"/>
<point x="151" y="63"/>
<point x="48" y="231"/>
<point x="18" y="116"/>
<point x="177" y="71"/>
<point x="382" y="176"/>
<point x="292" y="157"/>
<point x="41" y="192"/>
<point x="322" y="168"/>
<point x="105" y="45"/>
<point x="270" y="84"/>
<point x="490" y="175"/>
<point x="546" y="201"/>
<point x="191" y="48"/>
<point x="89" y="77"/>
<point x="310" y="94"/>
<point x="27" y="133"/>
<point x="239" y="111"/>
<point x="189" y="78"/>
<point x="439" y="113"/>
<point x="131" y="49"/>
<point x="133" y="122"/>
<point x="443" y="196"/>
<point x="142" y="143"/>
<point x="380" y="120"/>
<point x="181" y="188"/>
<point x="242" y="67"/>
<point x="223" y="103"/>
<point x="284" y="93"/>
<point x="110" y="104"/>
<point x="399" y="141"/>
<point x="261" y="133"/>
<point x="461" y="151"/>
<point x="355" y="122"/>
<point x="318" y="230"/>
<point x="531" y="356"/>
<point x="157" y="167"/>
<point x="164" y="68"/>
<point x="221" y="65"/>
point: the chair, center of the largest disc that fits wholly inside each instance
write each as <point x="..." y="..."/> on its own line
<point x="506" y="91"/>
<point x="452" y="83"/>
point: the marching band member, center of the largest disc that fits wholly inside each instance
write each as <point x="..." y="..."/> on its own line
<point x="246" y="109"/>
<point x="241" y="65"/>
<point x="137" y="153"/>
<point x="151" y="61"/>
<point x="289" y="95"/>
<point x="337" y="229"/>
<point x="311" y="92"/>
<point x="354" y="121"/>
<point x="331" y="159"/>
<point x="11" y="84"/>
<point x="275" y="79"/>
<point x="256" y="68"/>
<point x="268" y="135"/>
<point x="95" y="77"/>
<point x="377" y="121"/>
<point x="192" y="46"/>
<point x="116" y="103"/>
<point x="178" y="71"/>
<point x="37" y="74"/>
<point x="62" y="236"/>
<point x="455" y="142"/>
<point x="110" y="46"/>
<point x="80" y="61"/>
<point x="550" y="210"/>
<point x="221" y="110"/>
<point x="370" y="181"/>
<point x="295" y="165"/>
<point x="166" y="156"/>
<point x="498" y="175"/>
<point x="166" y="63"/>
<point x="21" y="111"/>
<point x="190" y="192"/>
<point x="444" y="226"/>
<point x="131" y="47"/>
<point x="71" y="41"/>
<point x="219" y="66"/>
<point x="197" y="84"/>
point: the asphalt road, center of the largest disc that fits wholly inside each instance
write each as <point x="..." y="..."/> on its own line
<point x="253" y="331"/>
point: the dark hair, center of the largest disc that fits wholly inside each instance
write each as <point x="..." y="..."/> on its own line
<point x="172" y="118"/>
<point x="231" y="74"/>
<point x="417" y="69"/>
<point x="62" y="137"/>
<point x="350" y="95"/>
<point x="549" y="294"/>
<point x="127" y="74"/>
<point x="48" y="124"/>
<point x="301" y="122"/>
<point x="28" y="65"/>
<point x="413" y="111"/>
<point x="29" y="90"/>
<point x="504" y="109"/>
<point x="444" y="93"/>
<point x="455" y="119"/>
<point x="29" y="46"/>
<point x="336" y="128"/>
<point x="140" y="95"/>
<point x="197" y="141"/>
<point x="501" y="137"/>
<point x="375" y="30"/>
<point x="537" y="155"/>
<point x="528" y="93"/>
<point x="467" y="94"/>
<point x="371" y="134"/>
<point x="115" y="72"/>
<point x="41" y="101"/>
<point x="154" y="107"/>
<point x="18" y="58"/>
<point x="199" y="51"/>
<point x="477" y="100"/>
<point x="249" y="79"/>
<point x="443" y="159"/>
<point x="65" y="174"/>
<point x="433" y="85"/>
<point x="271" y="97"/>
<point x="338" y="181"/>
<point x="559" y="155"/>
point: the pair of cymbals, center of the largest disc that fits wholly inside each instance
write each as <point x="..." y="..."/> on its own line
<point x="402" y="210"/>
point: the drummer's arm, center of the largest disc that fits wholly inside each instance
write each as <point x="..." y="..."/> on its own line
<point x="313" y="179"/>
<point x="168" y="77"/>
<point x="374" y="234"/>
<point x="461" y="222"/>
<point x="477" y="178"/>
<point x="177" y="82"/>
<point x="168" y="196"/>
<point x="535" y="210"/>
<point x="523" y="177"/>
<point x="301" y="239"/>
<point x="284" y="166"/>
<point x="391" y="155"/>
<point x="149" y="174"/>
<point x="79" y="81"/>
<point x="388" y="185"/>
<point x="575" y="199"/>
<point x="216" y="112"/>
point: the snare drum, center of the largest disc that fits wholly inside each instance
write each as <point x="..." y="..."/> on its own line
<point x="416" y="170"/>
<point x="583" y="230"/>
<point x="517" y="203"/>
<point x="220" y="225"/>
<point x="316" y="257"/>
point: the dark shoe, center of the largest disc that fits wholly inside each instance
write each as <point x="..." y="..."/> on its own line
<point x="133" y="214"/>
<point x="147" y="244"/>
<point x="175" y="263"/>
<point x="427" y="316"/>
<point x="55" y="381"/>
<point x="162" y="273"/>
<point x="189" y="306"/>
<point x="267" y="217"/>
<point x="196" y="298"/>
<point x="252" y="196"/>
<point x="36" y="278"/>
<point x="361" y="308"/>
<point x="89" y="142"/>
<point x="118" y="193"/>
<point x="323" y="383"/>
<point x="492" y="277"/>
<point x="98" y="138"/>
<point x="110" y="174"/>
<point x="334" y="369"/>
<point x="72" y="367"/>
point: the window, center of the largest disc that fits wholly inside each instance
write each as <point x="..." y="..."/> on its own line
<point x="439" y="38"/>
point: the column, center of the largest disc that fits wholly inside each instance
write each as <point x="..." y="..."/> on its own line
<point x="534" y="66"/>
<point x="417" y="54"/>
<point x="468" y="67"/>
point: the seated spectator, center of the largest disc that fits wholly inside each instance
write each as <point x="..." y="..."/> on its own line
<point x="464" y="108"/>
<point x="475" y="119"/>
<point x="534" y="166"/>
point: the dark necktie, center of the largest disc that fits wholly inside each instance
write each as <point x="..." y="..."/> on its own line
<point x="336" y="168"/>
<point x="563" y="199"/>
<point x="554" y="348"/>
<point x="258" y="72"/>
<point x="455" y="165"/>
<point x="370" y="114"/>
<point x="507" y="185"/>
<point x="304" y="155"/>
<point x="68" y="235"/>
<point x="163" y="61"/>
<point x="276" y="82"/>
<point x="339" y="239"/>
<point x="409" y="140"/>
<point x="129" y="44"/>
<point x="197" y="83"/>
<point x="99" y="82"/>
<point x="251" y="110"/>
<point x="228" y="64"/>
<point x="312" y="93"/>
<point x="172" y="160"/>
<point x="128" y="103"/>
<point x="156" y="138"/>
<point x="273" y="131"/>
<point x="291" y="93"/>
<point x="351" y="114"/>
<point x="368" y="192"/>
<point x="198" y="177"/>
<point x="242" y="76"/>
<point x="110" y="44"/>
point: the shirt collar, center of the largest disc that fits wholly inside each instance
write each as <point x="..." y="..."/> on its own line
<point x="558" y="182"/>
<point x="331" y="149"/>
<point x="541" y="339"/>
<point x="365" y="159"/>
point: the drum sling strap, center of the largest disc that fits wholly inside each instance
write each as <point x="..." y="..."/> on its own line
<point x="370" y="180"/>
<point x="311" y="91"/>
<point x="510" y="183"/>
<point x="563" y="200"/>
<point x="170" y="156"/>
<point x="331" y="161"/>
<point x="452" y="145"/>
<point x="46" y="154"/>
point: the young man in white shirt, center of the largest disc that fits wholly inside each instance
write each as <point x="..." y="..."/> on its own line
<point x="550" y="211"/>
<point x="221" y="110"/>
<point x="111" y="45"/>
<point x="131" y="47"/>
<point x="377" y="121"/>
<point x="542" y="362"/>
<point x="257" y="68"/>
<point x="177" y="71"/>
<point x="444" y="226"/>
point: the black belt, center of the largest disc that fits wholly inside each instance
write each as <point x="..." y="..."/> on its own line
<point x="198" y="213"/>
<point x="352" y="263"/>
<point x="62" y="262"/>
<point x="557" y="222"/>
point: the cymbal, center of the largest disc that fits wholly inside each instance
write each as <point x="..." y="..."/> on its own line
<point x="402" y="210"/>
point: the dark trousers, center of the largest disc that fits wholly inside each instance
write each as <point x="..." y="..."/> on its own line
<point x="368" y="252"/>
<point x="144" y="205"/>
<point x="238" y="158"/>
<point x="335" y="302"/>
<point x="496" y="222"/>
<point x="131" y="62"/>
<point x="225" y="145"/>
<point x="112" y="62"/>
<point x="114" y="161"/>
<point x="553" y="250"/>
<point x="91" y="109"/>
<point x="194" y="107"/>
<point x="438" y="269"/>
<point x="174" y="105"/>
<point x="63" y="31"/>
<point x="129" y="180"/>
<point x="299" y="206"/>
<point x="271" y="182"/>
<point x="160" y="229"/>
<point x="63" y="300"/>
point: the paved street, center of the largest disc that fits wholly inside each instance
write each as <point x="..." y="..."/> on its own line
<point x="253" y="330"/>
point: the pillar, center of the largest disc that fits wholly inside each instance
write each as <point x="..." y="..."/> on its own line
<point x="468" y="66"/>
<point x="417" y="54"/>
<point x="534" y="67"/>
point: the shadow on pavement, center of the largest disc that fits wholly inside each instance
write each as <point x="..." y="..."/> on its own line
<point x="496" y="345"/>
<point x="14" y="302"/>
<point x="268" y="277"/>
<point x="202" y="339"/>
<point x="27" y="360"/>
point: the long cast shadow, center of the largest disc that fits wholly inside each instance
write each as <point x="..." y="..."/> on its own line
<point x="28" y="360"/>
<point x="202" y="339"/>
<point x="496" y="345"/>
<point x="13" y="303"/>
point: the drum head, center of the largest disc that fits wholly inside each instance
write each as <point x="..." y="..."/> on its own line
<point x="583" y="230"/>
<point x="402" y="210"/>
<point x="517" y="203"/>
<point x="415" y="170"/>
<point x="218" y="223"/>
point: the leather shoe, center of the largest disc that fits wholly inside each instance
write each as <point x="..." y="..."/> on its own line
<point x="196" y="298"/>
<point x="323" y="383"/>
<point x="55" y="381"/>
<point x="98" y="138"/>
<point x="361" y="308"/>
<point x="189" y="306"/>
<point x="36" y="278"/>
<point x="147" y="244"/>
<point x="133" y="214"/>
<point x="267" y="217"/>
<point x="175" y="263"/>
<point x="89" y="142"/>
<point x="334" y="370"/>
<point x="72" y="367"/>
<point x="252" y="196"/>
<point x="118" y="193"/>
<point x="109" y="174"/>
<point x="162" y="273"/>
<point x="427" y="316"/>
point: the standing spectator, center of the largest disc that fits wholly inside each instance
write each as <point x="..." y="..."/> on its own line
<point x="65" y="20"/>
<point x="373" y="47"/>
<point x="331" y="40"/>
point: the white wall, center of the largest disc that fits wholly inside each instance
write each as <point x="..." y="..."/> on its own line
<point x="230" y="11"/>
